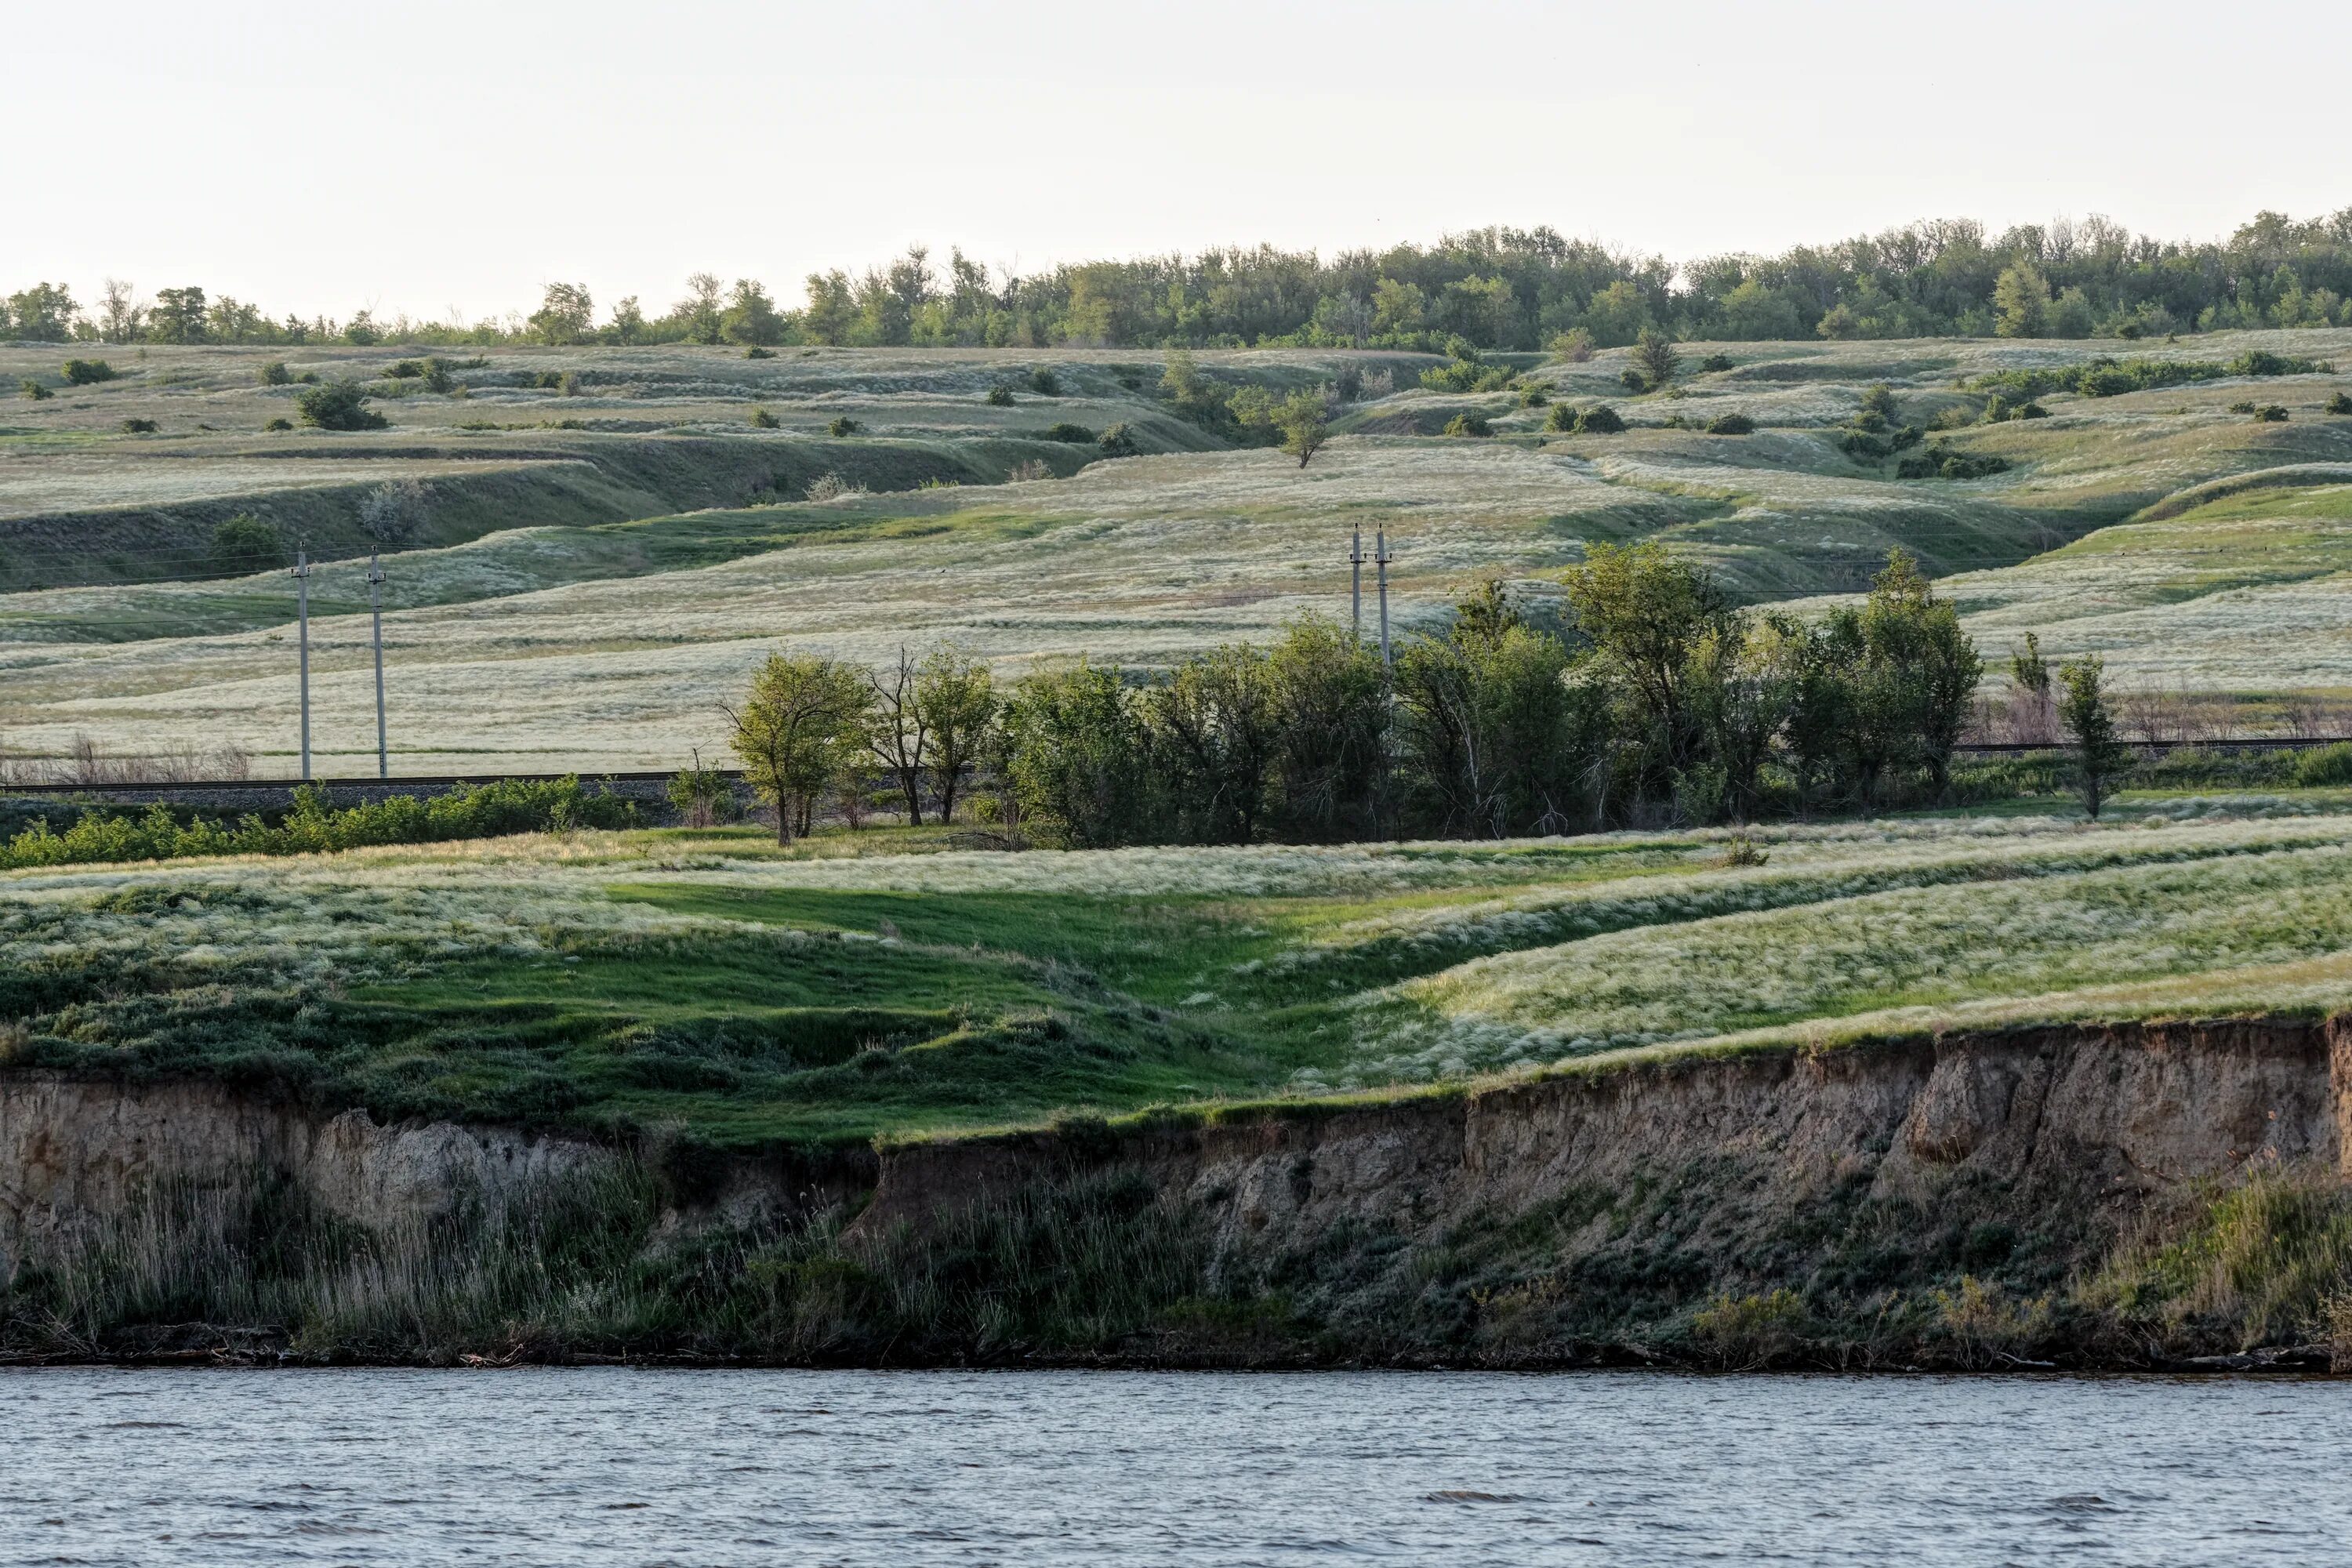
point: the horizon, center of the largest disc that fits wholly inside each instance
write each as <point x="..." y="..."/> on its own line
<point x="1053" y="136"/>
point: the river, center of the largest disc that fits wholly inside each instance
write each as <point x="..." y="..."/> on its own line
<point x="609" y="1466"/>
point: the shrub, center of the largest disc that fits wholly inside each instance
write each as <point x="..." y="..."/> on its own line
<point x="755" y="351"/>
<point x="405" y="369"/>
<point x="1632" y="381"/>
<point x="2034" y="410"/>
<point x="1533" y="398"/>
<point x="1076" y="434"/>
<point x="1731" y="425"/>
<point x="1599" y="420"/>
<point x="338" y="406"/>
<point x="833" y="487"/>
<point x="2339" y="404"/>
<point x="85" y="372"/>
<point x="34" y="390"/>
<point x="1574" y="346"/>
<point x="280" y="423"/>
<point x="1564" y="417"/>
<point x="1044" y="383"/>
<point x="275" y="374"/>
<point x="843" y="424"/>
<point x="246" y="544"/>
<point x="1349" y="385"/>
<point x="2327" y="768"/>
<point x="1941" y="462"/>
<point x="2262" y="362"/>
<point x="2270" y="413"/>
<point x="2243" y="406"/>
<point x="1713" y="363"/>
<point x="1119" y="441"/>
<point x="999" y="398"/>
<point x="763" y="420"/>
<point x="138" y="426"/>
<point x="1466" y="424"/>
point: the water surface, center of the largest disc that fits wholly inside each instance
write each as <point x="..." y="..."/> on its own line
<point x="615" y="1467"/>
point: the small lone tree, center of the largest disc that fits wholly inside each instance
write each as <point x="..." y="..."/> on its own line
<point x="895" y="734"/>
<point x="955" y="700"/>
<point x="2100" y="757"/>
<point x="795" y="732"/>
<point x="1654" y="357"/>
<point x="1304" y="423"/>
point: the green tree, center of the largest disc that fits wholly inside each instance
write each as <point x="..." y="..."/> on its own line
<point x="797" y="731"/>
<point x="45" y="313"/>
<point x="1077" y="758"/>
<point x="2100" y="757"/>
<point x="1753" y="314"/>
<point x="700" y="314"/>
<point x="566" y="314"/>
<point x="956" y="701"/>
<point x="1332" y="765"/>
<point x="1646" y="612"/>
<point x="699" y="794"/>
<point x="178" y="316"/>
<point x="1654" y="357"/>
<point x="1743" y="685"/>
<point x="1216" y="727"/>
<point x="751" y="317"/>
<point x="120" y="317"/>
<point x="1487" y="724"/>
<point x="2029" y="669"/>
<point x="2020" y="301"/>
<point x="628" y="322"/>
<point x="1916" y="676"/>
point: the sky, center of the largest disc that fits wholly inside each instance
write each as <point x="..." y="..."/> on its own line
<point x="452" y="159"/>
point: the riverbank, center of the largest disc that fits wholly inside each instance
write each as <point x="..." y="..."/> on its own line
<point x="2087" y="1197"/>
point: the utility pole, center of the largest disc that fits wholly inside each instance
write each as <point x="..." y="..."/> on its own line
<point x="302" y="614"/>
<point x="1381" y="558"/>
<point x="375" y="612"/>
<point x="1356" y="587"/>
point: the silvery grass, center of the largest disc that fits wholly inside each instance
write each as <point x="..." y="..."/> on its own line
<point x="1932" y="946"/>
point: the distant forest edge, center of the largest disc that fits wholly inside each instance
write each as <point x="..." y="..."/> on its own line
<point x="1497" y="289"/>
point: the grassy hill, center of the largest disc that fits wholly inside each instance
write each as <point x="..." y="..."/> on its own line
<point x="885" y="984"/>
<point x="589" y="573"/>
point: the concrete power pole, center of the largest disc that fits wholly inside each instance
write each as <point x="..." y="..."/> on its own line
<point x="1381" y="558"/>
<point x="303" y="616"/>
<point x="375" y="613"/>
<point x="1356" y="586"/>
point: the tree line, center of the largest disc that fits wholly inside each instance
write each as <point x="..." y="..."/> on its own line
<point x="1504" y="289"/>
<point x="1640" y="695"/>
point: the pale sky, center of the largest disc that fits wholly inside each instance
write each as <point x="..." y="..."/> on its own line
<point x="435" y="157"/>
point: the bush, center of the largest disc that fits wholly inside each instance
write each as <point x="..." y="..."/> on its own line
<point x="1044" y="383"/>
<point x="1632" y="381"/>
<point x="282" y="423"/>
<point x="2262" y="362"/>
<point x="763" y="420"/>
<point x="34" y="390"/>
<point x="1076" y="434"/>
<point x="843" y="424"/>
<point x="1599" y="420"/>
<point x="2270" y="413"/>
<point x="1469" y="424"/>
<point x="1349" y="385"/>
<point x="1564" y="417"/>
<point x="405" y="369"/>
<point x="999" y="398"/>
<point x="338" y="406"/>
<point x="1119" y="441"/>
<point x="2243" y="406"/>
<point x="1731" y="425"/>
<point x="756" y="352"/>
<point x="2327" y="768"/>
<point x="1941" y="462"/>
<point x="1573" y="347"/>
<point x="2034" y="410"/>
<point x="246" y="544"/>
<point x="85" y="372"/>
<point x="1715" y="363"/>
<point x="2339" y="404"/>
<point x="1533" y="398"/>
<point x="138" y="426"/>
<point x="275" y="374"/>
